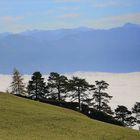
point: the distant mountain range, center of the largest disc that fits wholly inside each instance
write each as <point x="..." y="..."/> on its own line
<point x="69" y="50"/>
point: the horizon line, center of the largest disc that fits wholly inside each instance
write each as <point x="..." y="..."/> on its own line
<point x="71" y="28"/>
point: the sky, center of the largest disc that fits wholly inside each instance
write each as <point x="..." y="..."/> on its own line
<point x="21" y="15"/>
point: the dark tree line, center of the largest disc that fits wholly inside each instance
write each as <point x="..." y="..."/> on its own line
<point x="77" y="89"/>
<point x="75" y="93"/>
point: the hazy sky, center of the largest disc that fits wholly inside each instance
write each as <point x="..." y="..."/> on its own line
<point x="20" y="15"/>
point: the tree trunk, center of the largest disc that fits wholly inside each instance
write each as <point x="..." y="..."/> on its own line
<point x="59" y="98"/>
<point x="99" y="100"/>
<point x="36" y="90"/>
<point x="79" y="100"/>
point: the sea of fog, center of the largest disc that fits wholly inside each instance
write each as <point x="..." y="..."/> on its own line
<point x="124" y="87"/>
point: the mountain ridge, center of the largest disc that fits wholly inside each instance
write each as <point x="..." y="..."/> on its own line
<point x="113" y="50"/>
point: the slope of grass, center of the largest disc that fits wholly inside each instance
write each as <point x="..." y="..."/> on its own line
<point x="22" y="119"/>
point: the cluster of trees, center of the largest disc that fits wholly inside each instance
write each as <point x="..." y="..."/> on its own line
<point x="75" y="90"/>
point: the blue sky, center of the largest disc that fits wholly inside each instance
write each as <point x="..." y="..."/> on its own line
<point x="21" y="15"/>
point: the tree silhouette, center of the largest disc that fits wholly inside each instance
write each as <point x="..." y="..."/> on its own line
<point x="100" y="98"/>
<point x="17" y="84"/>
<point x="57" y="86"/>
<point x="37" y="86"/>
<point x="136" y="110"/>
<point x="78" y="87"/>
<point x="123" y="115"/>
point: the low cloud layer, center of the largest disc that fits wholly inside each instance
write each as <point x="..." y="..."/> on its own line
<point x="125" y="88"/>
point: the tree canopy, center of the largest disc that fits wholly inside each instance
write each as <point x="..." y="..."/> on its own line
<point x="124" y="115"/>
<point x="78" y="88"/>
<point x="101" y="98"/>
<point x="36" y="86"/>
<point x="57" y="86"/>
<point x="17" y="85"/>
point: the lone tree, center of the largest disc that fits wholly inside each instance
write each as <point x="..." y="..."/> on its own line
<point x="136" y="110"/>
<point x="100" y="98"/>
<point x="123" y="115"/>
<point x="36" y="86"/>
<point x="57" y="86"/>
<point x="17" y="84"/>
<point x="79" y="88"/>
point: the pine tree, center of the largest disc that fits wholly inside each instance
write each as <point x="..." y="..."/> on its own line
<point x="100" y="98"/>
<point x="136" y="110"/>
<point x="57" y="85"/>
<point x="36" y="86"/>
<point x="79" y="88"/>
<point x="123" y="115"/>
<point x="17" y="84"/>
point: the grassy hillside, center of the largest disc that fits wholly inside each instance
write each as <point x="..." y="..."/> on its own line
<point x="22" y="119"/>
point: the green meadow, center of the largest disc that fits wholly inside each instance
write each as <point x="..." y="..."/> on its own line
<point x="23" y="119"/>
